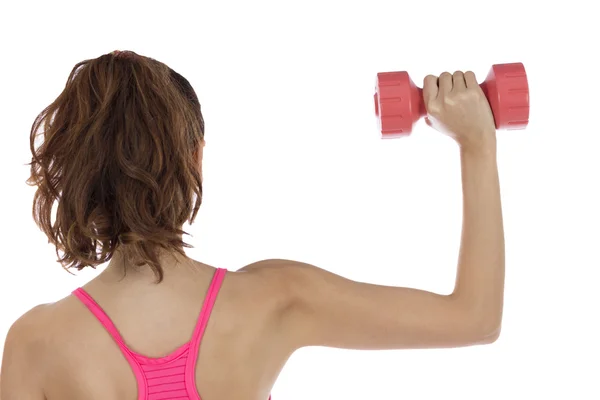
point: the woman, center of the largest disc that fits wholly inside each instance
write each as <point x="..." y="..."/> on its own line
<point x="122" y="157"/>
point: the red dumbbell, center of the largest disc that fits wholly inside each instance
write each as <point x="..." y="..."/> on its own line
<point x="399" y="103"/>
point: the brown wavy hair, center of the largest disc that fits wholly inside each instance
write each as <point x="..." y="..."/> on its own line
<point x="119" y="156"/>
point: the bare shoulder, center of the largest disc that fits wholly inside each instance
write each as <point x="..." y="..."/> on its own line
<point x="35" y="331"/>
<point x="29" y="336"/>
<point x="291" y="280"/>
<point x="28" y="328"/>
<point x="271" y="266"/>
<point x="272" y="284"/>
<point x="24" y="353"/>
<point x="267" y="279"/>
<point x="277" y="277"/>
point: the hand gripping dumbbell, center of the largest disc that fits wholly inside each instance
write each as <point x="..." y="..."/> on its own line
<point x="399" y="103"/>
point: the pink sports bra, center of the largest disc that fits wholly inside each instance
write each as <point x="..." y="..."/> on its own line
<point x="170" y="377"/>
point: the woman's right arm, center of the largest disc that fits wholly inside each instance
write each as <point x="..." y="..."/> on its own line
<point x="324" y="309"/>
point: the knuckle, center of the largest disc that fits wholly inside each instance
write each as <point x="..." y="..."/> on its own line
<point x="451" y="99"/>
<point x="469" y="74"/>
<point x="471" y="94"/>
<point x="463" y="96"/>
<point x="445" y="75"/>
<point x="430" y="80"/>
<point x="433" y="108"/>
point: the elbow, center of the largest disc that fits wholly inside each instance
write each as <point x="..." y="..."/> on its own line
<point x="486" y="325"/>
<point x="490" y="337"/>
<point x="484" y="329"/>
<point x="488" y="333"/>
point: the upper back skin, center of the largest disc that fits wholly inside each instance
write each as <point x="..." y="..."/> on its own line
<point x="240" y="355"/>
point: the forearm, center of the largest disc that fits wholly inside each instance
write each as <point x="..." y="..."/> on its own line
<point x="480" y="276"/>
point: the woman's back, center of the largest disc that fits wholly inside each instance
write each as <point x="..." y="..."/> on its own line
<point x="239" y="351"/>
<point x="122" y="157"/>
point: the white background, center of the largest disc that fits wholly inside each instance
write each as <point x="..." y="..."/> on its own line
<point x="293" y="153"/>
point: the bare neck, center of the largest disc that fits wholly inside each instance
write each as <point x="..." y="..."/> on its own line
<point x="176" y="268"/>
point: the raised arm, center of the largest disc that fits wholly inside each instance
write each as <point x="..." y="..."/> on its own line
<point x="324" y="309"/>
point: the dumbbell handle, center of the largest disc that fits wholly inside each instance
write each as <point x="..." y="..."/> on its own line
<point x="399" y="103"/>
<point x="421" y="110"/>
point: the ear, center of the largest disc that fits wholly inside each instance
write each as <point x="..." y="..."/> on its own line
<point x="198" y="153"/>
